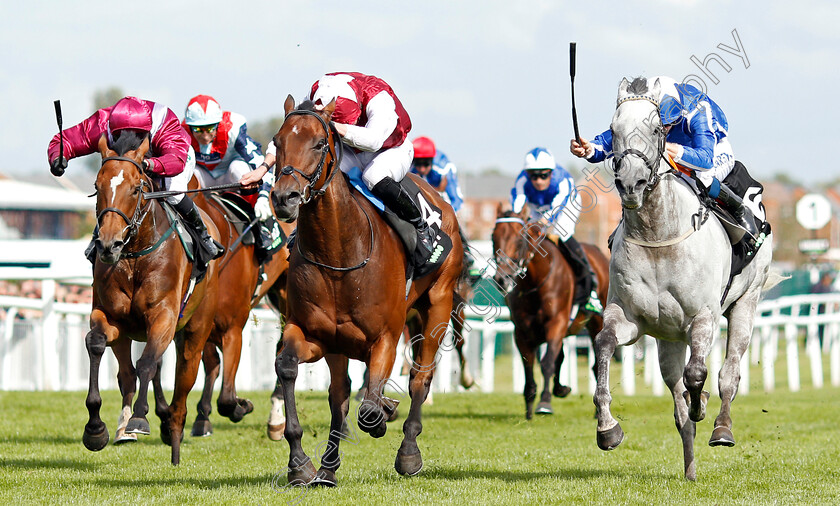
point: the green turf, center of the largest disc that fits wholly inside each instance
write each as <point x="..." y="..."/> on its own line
<point x="478" y="449"/>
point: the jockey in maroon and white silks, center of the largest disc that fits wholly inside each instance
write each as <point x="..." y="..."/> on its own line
<point x="376" y="122"/>
<point x="169" y="156"/>
<point x="224" y="152"/>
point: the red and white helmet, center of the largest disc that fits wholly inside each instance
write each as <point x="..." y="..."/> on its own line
<point x="130" y="112"/>
<point x="423" y="147"/>
<point x="202" y="110"/>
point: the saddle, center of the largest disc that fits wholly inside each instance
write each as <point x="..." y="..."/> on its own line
<point x="240" y="214"/>
<point x="406" y="231"/>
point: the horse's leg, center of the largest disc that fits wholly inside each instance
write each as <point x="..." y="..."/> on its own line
<point x="101" y="332"/>
<point x="339" y="405"/>
<point x="276" y="416"/>
<point x="295" y="350"/>
<point x="409" y="461"/>
<point x="229" y="404"/>
<point x="554" y="339"/>
<point x="467" y="380"/>
<point x="671" y="364"/>
<point x="528" y="355"/>
<point x="375" y="409"/>
<point x="127" y="379"/>
<point x="701" y="333"/>
<point x="617" y="328"/>
<point x="559" y="389"/>
<point x="739" y="333"/>
<point x="161" y="407"/>
<point x="161" y="328"/>
<point x="210" y="358"/>
<point x="189" y="343"/>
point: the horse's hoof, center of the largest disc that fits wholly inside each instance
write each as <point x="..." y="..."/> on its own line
<point x="324" y="478"/>
<point x="698" y="413"/>
<point x="241" y="409"/>
<point x="121" y="437"/>
<point x="96" y="441"/>
<point x="393" y="416"/>
<point x="544" y="408"/>
<point x="610" y="439"/>
<point x="138" y="426"/>
<point x="166" y="434"/>
<point x="722" y="436"/>
<point x="372" y="419"/>
<point x="202" y="428"/>
<point x="276" y="432"/>
<point x="301" y="475"/>
<point x="561" y="391"/>
<point x="408" y="465"/>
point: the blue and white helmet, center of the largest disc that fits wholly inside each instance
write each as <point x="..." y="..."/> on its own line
<point x="539" y="159"/>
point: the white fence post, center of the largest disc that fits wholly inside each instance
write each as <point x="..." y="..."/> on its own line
<point x="791" y="334"/>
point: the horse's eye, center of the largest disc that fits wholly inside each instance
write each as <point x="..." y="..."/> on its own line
<point x="320" y="144"/>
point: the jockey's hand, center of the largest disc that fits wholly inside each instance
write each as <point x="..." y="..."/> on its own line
<point x="253" y="178"/>
<point x="675" y="151"/>
<point x="57" y="166"/>
<point x="148" y="167"/>
<point x="583" y="150"/>
<point x="263" y="206"/>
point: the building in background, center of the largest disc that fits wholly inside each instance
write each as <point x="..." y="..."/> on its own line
<point x="36" y="211"/>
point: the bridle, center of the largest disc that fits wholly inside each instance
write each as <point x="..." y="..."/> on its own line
<point x="309" y="191"/>
<point x="652" y="165"/>
<point x="140" y="212"/>
<point x="523" y="261"/>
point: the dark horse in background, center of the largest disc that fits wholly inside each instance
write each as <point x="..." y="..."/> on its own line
<point x="347" y="286"/>
<point x="239" y="275"/>
<point x="140" y="277"/>
<point x="539" y="289"/>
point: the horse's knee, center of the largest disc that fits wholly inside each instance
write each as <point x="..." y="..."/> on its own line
<point x="286" y="367"/>
<point x="95" y="341"/>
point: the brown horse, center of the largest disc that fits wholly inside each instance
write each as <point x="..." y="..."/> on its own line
<point x="239" y="275"/>
<point x="140" y="277"/>
<point x="347" y="292"/>
<point x="539" y="289"/>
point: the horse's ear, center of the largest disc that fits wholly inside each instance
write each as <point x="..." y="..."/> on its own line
<point x="525" y="212"/>
<point x="656" y="89"/>
<point x="500" y="209"/>
<point x="329" y="109"/>
<point x="289" y="106"/>
<point x="622" y="88"/>
<point x="104" y="150"/>
<point x="141" y="151"/>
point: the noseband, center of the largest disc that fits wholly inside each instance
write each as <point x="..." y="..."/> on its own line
<point x="133" y="224"/>
<point x="652" y="165"/>
<point x="288" y="170"/>
<point x="523" y="260"/>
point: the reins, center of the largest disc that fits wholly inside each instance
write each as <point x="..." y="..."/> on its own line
<point x="522" y="263"/>
<point x="310" y="192"/>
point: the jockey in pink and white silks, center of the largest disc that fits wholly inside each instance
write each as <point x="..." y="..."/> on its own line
<point x="697" y="139"/>
<point x="553" y="199"/>
<point x="170" y="155"/>
<point x="373" y="124"/>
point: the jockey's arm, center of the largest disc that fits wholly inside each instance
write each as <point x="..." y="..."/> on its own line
<point x="81" y="139"/>
<point x="600" y="148"/>
<point x="700" y="155"/>
<point x="382" y="118"/>
<point x="248" y="148"/>
<point x="171" y="145"/>
<point x="263" y="172"/>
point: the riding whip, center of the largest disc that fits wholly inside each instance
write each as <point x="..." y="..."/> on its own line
<point x="572" y="51"/>
<point x="57" y="104"/>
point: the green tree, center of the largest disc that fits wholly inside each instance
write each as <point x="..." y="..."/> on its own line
<point x="263" y="131"/>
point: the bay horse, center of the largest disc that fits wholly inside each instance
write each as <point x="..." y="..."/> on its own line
<point x="239" y="273"/>
<point x="348" y="296"/>
<point x="669" y="271"/>
<point x="140" y="277"/>
<point x="539" y="289"/>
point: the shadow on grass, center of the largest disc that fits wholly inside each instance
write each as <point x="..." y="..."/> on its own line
<point x="204" y="483"/>
<point x="38" y="463"/>
<point x="493" y="417"/>
<point x="451" y="473"/>
<point x="52" y="439"/>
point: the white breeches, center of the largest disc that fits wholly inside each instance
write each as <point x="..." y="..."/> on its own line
<point x="179" y="182"/>
<point x="233" y="174"/>
<point x="376" y="166"/>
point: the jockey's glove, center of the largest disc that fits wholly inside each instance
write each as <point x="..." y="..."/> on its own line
<point x="263" y="206"/>
<point x="57" y="166"/>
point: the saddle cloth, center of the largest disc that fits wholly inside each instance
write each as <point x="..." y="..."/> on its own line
<point x="405" y="230"/>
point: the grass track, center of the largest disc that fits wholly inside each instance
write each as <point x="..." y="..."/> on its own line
<point x="478" y="449"/>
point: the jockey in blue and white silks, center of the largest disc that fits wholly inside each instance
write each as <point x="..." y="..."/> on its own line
<point x="552" y="198"/>
<point x="697" y="139"/>
<point x="443" y="177"/>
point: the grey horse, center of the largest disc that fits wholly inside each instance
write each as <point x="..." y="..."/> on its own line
<point x="669" y="270"/>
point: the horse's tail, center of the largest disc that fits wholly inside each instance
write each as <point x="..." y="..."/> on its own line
<point x="774" y="277"/>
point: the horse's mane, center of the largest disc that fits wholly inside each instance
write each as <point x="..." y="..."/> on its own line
<point x="306" y="105"/>
<point x="639" y="86"/>
<point x="508" y="214"/>
<point x="127" y="140"/>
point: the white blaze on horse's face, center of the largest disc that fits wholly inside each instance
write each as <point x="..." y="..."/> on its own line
<point x="115" y="181"/>
<point x="295" y="130"/>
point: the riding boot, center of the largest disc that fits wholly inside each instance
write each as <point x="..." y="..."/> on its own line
<point x="469" y="259"/>
<point x="186" y="208"/>
<point x="593" y="304"/>
<point x="735" y="205"/>
<point x="399" y="201"/>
